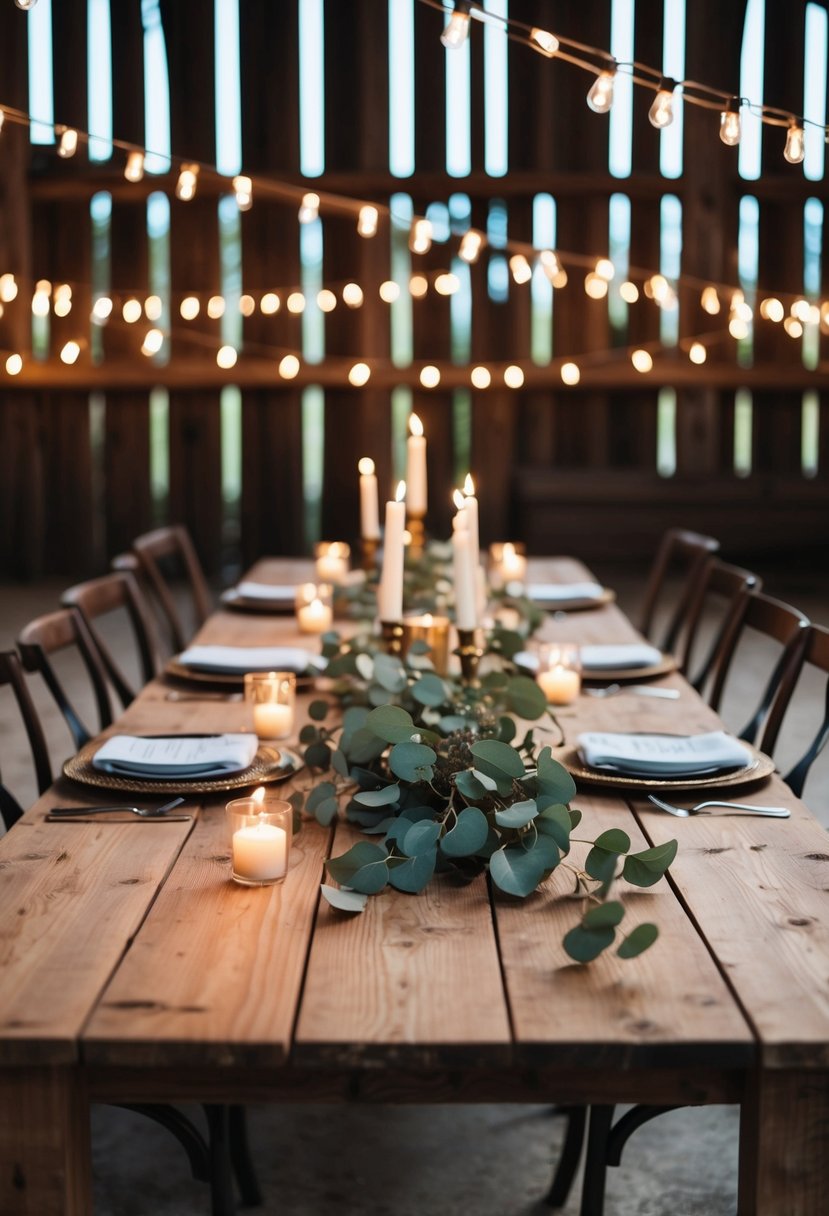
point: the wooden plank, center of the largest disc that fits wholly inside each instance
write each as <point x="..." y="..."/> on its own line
<point x="196" y="472"/>
<point x="68" y="460"/>
<point x="72" y="897"/>
<point x="44" y="1143"/>
<point x="22" y="489"/>
<point x="129" y="508"/>
<point x="15" y="231"/>
<point x="783" y="1144"/>
<point x="368" y="975"/>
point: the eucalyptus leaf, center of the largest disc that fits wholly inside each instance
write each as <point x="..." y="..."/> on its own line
<point x="600" y="864"/>
<point x="525" y="698"/>
<point x="506" y="729"/>
<point x="326" y="811"/>
<point x="470" y="787"/>
<point x="365" y="666"/>
<point x="325" y="789"/>
<point x="450" y="722"/>
<point x="318" y="755"/>
<point x="515" y="870"/>
<point x="309" y="733"/>
<point x="412" y="761"/>
<point x="494" y="681"/>
<point x="468" y="835"/>
<point x="390" y="672"/>
<point x="555" y="821"/>
<point x="553" y="778"/>
<point x="339" y="763"/>
<point x="318" y="710"/>
<point x="638" y="940"/>
<point x="364" y="746"/>
<point x="518" y="814"/>
<point x="497" y="760"/>
<point x="420" y="838"/>
<point x="508" y="641"/>
<point x="391" y="723"/>
<point x="429" y="690"/>
<point x="614" y="840"/>
<point x="381" y="797"/>
<point x="584" y="945"/>
<point x="415" y="873"/>
<point x="603" y="916"/>
<point x="646" y="868"/>
<point x="344" y="901"/>
<point x="343" y="868"/>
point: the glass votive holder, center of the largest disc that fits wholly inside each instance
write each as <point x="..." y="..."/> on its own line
<point x="314" y="607"/>
<point x="260" y="828"/>
<point x="434" y="631"/>
<point x="333" y="558"/>
<point x="507" y="564"/>
<point x="271" y="696"/>
<point x="559" y="673"/>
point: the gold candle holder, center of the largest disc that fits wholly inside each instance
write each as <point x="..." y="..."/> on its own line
<point x="392" y="634"/>
<point x="470" y="654"/>
<point x="434" y="631"/>
<point x="369" y="546"/>
<point x="417" y="531"/>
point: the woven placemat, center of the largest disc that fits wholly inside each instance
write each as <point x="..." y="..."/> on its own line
<point x="270" y="764"/>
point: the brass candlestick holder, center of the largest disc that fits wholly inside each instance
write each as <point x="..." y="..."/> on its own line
<point x="414" y="523"/>
<point x="392" y="634"/>
<point x="369" y="547"/>
<point x="470" y="653"/>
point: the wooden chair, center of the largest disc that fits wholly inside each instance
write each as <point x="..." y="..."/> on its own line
<point x="11" y="674"/>
<point x="60" y="631"/>
<point x="721" y="589"/>
<point x="166" y="554"/>
<point x="778" y="622"/>
<point x="683" y="552"/>
<point x="112" y="593"/>
<point x="815" y="653"/>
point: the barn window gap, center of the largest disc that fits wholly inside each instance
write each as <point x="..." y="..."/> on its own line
<point x="401" y="88"/>
<point x="621" y="114"/>
<point x="41" y="89"/>
<point x="541" y="323"/>
<point x="160" y="453"/>
<point x="311" y="88"/>
<point x="673" y="65"/>
<point x="619" y="251"/>
<point x="666" y="432"/>
<point x="816" y="51"/>
<point x="156" y="90"/>
<point x="100" y="213"/>
<point x="812" y="267"/>
<point x="99" y="78"/>
<point x="748" y="258"/>
<point x="670" y="262"/>
<point x="228" y="99"/>
<point x="752" y="61"/>
<point x="810" y="433"/>
<point x="457" y="119"/>
<point x="496" y="92"/>
<point x="743" y="432"/>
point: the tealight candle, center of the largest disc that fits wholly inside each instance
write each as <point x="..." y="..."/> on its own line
<point x="271" y="695"/>
<point x="314" y="608"/>
<point x="332" y="561"/>
<point x="559" y="674"/>
<point x="260" y="839"/>
<point x="508" y="563"/>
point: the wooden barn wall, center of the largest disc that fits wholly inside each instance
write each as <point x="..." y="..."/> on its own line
<point x="562" y="468"/>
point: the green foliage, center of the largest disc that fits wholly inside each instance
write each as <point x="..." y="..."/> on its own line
<point x="436" y="776"/>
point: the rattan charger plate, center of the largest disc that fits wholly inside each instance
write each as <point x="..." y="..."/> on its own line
<point x="270" y="764"/>
<point x="760" y="767"/>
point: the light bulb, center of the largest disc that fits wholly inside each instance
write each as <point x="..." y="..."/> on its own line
<point x="544" y="41"/>
<point x="243" y="189"/>
<point x="14" y="365"/>
<point x="309" y="208"/>
<point x="793" y="327"/>
<point x="570" y="373"/>
<point x="326" y="300"/>
<point x="595" y="286"/>
<point x="550" y="264"/>
<point x="367" y="221"/>
<point x="447" y="284"/>
<point x="472" y="242"/>
<point x="153" y="308"/>
<point x="8" y="287"/>
<point x="418" y="286"/>
<point x="153" y="341"/>
<point x="661" y="113"/>
<point x="513" y="376"/>
<point x="189" y="308"/>
<point x="132" y="311"/>
<point x="186" y="184"/>
<point x="420" y="240"/>
<point x="289" y="367"/>
<point x="68" y="145"/>
<point x="353" y="295"/>
<point x="642" y="361"/>
<point x="226" y="357"/>
<point x="40" y="303"/>
<point x="269" y="304"/>
<point x="359" y="374"/>
<point x="480" y="377"/>
<point x="801" y="309"/>
<point x="295" y="303"/>
<point x="600" y="94"/>
<point x="771" y="309"/>
<point x="134" y="168"/>
<point x="794" y="150"/>
<point x="697" y="354"/>
<point x="520" y="267"/>
<point x="247" y="305"/>
<point x="389" y="291"/>
<point x="629" y="292"/>
<point x="730" y="127"/>
<point x="25" y="4"/>
<point x="430" y="376"/>
<point x="69" y="353"/>
<point x="605" y="269"/>
<point x="456" y="30"/>
<point x="216" y="307"/>
<point x="101" y="310"/>
<point x="738" y="328"/>
<point x="710" y="301"/>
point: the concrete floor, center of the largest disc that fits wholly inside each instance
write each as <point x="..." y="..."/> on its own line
<point x="420" y="1161"/>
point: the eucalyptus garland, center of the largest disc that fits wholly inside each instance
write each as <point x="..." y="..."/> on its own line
<point x="432" y="770"/>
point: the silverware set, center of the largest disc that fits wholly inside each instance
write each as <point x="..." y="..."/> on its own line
<point x="82" y="812"/>
<point x="701" y="808"/>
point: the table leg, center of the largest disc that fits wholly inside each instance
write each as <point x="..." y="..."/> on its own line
<point x="784" y="1144"/>
<point x="45" y="1166"/>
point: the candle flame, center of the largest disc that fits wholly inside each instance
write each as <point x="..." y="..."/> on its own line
<point x="509" y="551"/>
<point x="468" y="485"/>
<point x="366" y="466"/>
<point x="258" y="794"/>
<point x="400" y="492"/>
<point x="458" y="500"/>
<point x="415" y="425"/>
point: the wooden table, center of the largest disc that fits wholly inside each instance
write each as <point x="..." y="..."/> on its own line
<point x="133" y="970"/>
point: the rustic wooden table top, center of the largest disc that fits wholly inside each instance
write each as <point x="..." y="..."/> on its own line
<point x="133" y="969"/>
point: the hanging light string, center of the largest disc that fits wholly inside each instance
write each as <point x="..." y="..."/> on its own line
<point x="604" y="67"/>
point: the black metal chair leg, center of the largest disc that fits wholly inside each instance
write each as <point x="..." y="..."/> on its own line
<point x="630" y="1122"/>
<point x="595" y="1166"/>
<point x="184" y="1130"/>
<point x="568" y="1162"/>
<point x="222" y="1199"/>
<point x="241" y="1159"/>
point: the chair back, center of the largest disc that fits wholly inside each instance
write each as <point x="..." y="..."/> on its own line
<point x="162" y="555"/>
<point x="683" y="552"/>
<point x="721" y="589"/>
<point x="11" y="674"/>
<point x="110" y="593"/>
<point x="815" y="653"/>
<point x="780" y="623"/>
<point x="54" y="632"/>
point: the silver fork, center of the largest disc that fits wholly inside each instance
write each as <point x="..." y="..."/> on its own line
<point x="175" y="695"/>
<point x="773" y="812"/>
<point x="159" y="812"/>
<point x="641" y="690"/>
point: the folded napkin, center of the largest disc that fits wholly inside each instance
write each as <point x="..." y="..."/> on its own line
<point x="562" y="593"/>
<point x="267" y="592"/>
<point x="236" y="660"/>
<point x="665" y="755"/>
<point x="176" y="755"/>
<point x="609" y="658"/>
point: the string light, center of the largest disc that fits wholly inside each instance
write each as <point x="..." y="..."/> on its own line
<point x="629" y="292"/>
<point x="801" y="309"/>
<point x="153" y="308"/>
<point x="697" y="353"/>
<point x="738" y="328"/>
<point x="63" y="300"/>
<point x="226" y="357"/>
<point x="595" y="286"/>
<point x="132" y="311"/>
<point x="309" y="208"/>
<point x="243" y="190"/>
<point x="216" y="307"/>
<point x="389" y="291"/>
<point x="642" y="361"/>
<point x="134" y="168"/>
<point x="326" y="300"/>
<point x="430" y="376"/>
<point x="710" y="301"/>
<point x="570" y="373"/>
<point x="420" y="240"/>
<point x="8" y="288"/>
<point x="730" y="126"/>
<point x="544" y="41"/>
<point x="418" y="286"/>
<point x="795" y="149"/>
<point x="14" y="365"/>
<point x="353" y="295"/>
<point x="480" y="377"/>
<point x="153" y="341"/>
<point x="605" y="269"/>
<point x="40" y="299"/>
<point x="26" y="5"/>
<point x="289" y="367"/>
<point x="661" y="113"/>
<point x="771" y="309"/>
<point x="190" y="308"/>
<point x="68" y="145"/>
<point x="367" y="221"/>
<point x="187" y="181"/>
<point x="247" y="305"/>
<point x="456" y="30"/>
<point x="520" y="267"/>
<point x="70" y="352"/>
<point x="447" y="284"/>
<point x="600" y="93"/>
<point x="102" y="310"/>
<point x="472" y="242"/>
<point x="513" y="376"/>
<point x="269" y="304"/>
<point x="793" y="327"/>
<point x="359" y="374"/>
<point x="295" y="303"/>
